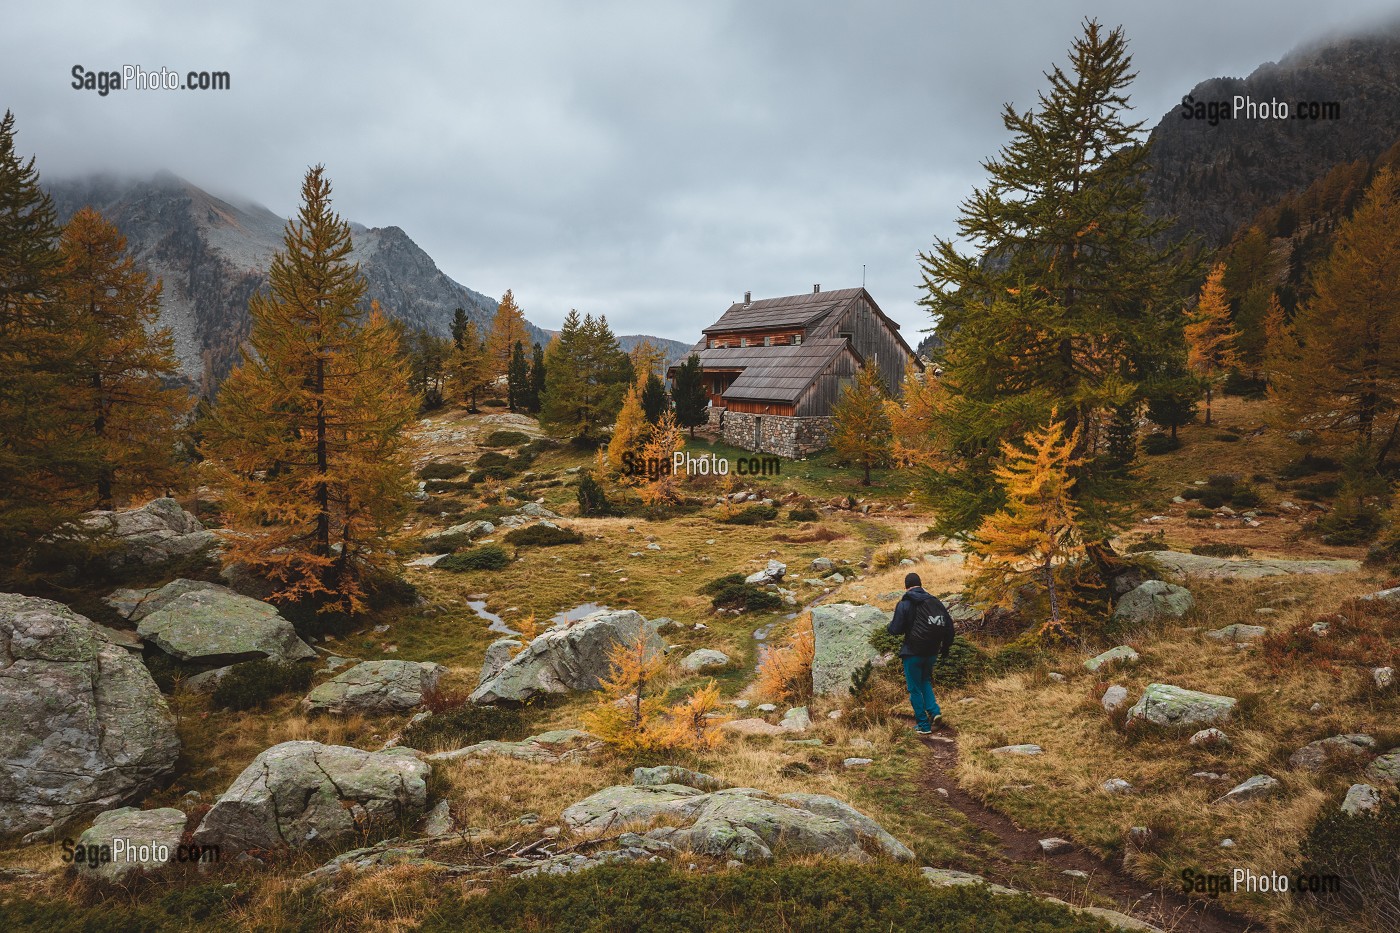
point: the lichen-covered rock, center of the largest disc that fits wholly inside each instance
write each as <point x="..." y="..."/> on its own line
<point x="574" y="658"/>
<point x="1222" y="568"/>
<point x="218" y="626"/>
<point x="1210" y="738"/>
<point x="1386" y="768"/>
<point x="301" y="793"/>
<point x="1259" y="786"/>
<point x="1153" y="601"/>
<point x="548" y="747"/>
<point x="375" y="687"/>
<point x="1361" y="798"/>
<point x="135" y="605"/>
<point x="1114" y="698"/>
<point x="1349" y="748"/>
<point x="498" y="655"/>
<point x="154" y="533"/>
<point x="474" y="529"/>
<point x="137" y="840"/>
<point x="704" y="659"/>
<point x="615" y="807"/>
<point x="841" y="644"/>
<point x="83" y="727"/>
<point x="1122" y="654"/>
<point x="772" y="573"/>
<point x="867" y="829"/>
<point x="671" y="774"/>
<point x="1237" y="632"/>
<point x="1166" y="705"/>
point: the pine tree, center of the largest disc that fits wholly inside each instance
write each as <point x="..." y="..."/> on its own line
<point x="586" y="377"/>
<point x="518" y="379"/>
<point x="689" y="396"/>
<point x="309" y="437"/>
<point x="120" y="384"/>
<point x="1122" y="436"/>
<point x="655" y="402"/>
<point x="460" y="323"/>
<point x="1171" y="401"/>
<point x="860" y="425"/>
<point x="664" y="442"/>
<point x="507" y="329"/>
<point x="1341" y="375"/>
<point x="537" y="380"/>
<point x="1037" y="531"/>
<point x="1210" y="336"/>
<point x="629" y="435"/>
<point x="1069" y="300"/>
<point x="45" y="459"/>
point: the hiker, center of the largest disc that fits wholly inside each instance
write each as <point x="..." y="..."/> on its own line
<point x="927" y="628"/>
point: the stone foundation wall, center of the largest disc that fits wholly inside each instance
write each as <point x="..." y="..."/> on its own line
<point x="784" y="435"/>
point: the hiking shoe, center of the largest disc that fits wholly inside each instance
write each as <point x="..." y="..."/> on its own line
<point x="938" y="723"/>
<point x="923" y="732"/>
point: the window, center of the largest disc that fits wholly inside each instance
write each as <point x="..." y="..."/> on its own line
<point x="743" y="341"/>
<point x="767" y="341"/>
<point x="797" y="340"/>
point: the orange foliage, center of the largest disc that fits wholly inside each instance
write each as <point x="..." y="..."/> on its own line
<point x="785" y="674"/>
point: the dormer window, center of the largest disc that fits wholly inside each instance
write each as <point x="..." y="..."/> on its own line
<point x="797" y="340"/>
<point x="767" y="341"/>
<point x="743" y="341"/>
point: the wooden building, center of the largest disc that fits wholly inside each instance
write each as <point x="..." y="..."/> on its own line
<point x="774" y="368"/>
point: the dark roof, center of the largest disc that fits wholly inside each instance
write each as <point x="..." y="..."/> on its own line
<point x="788" y="311"/>
<point x="775" y="374"/>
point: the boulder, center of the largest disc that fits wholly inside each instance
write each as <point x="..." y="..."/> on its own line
<point x="1166" y="705"/>
<point x="301" y="793"/>
<point x="867" y="829"/>
<point x="1350" y="749"/>
<point x="1386" y="768"/>
<point x="796" y="719"/>
<point x="206" y="682"/>
<point x="547" y="747"/>
<point x="83" y="727"/>
<point x="952" y="878"/>
<point x="1054" y="845"/>
<point x="375" y="687"/>
<point x="1259" y="786"/>
<point x="574" y="658"/>
<point x="498" y="655"/>
<point x="614" y="807"/>
<point x="1236" y="632"/>
<point x="704" y="659"/>
<point x="152" y="534"/>
<point x="774" y="572"/>
<point x="671" y="774"/>
<point x="535" y="510"/>
<point x="1210" y="738"/>
<point x="1383" y="677"/>
<point x="841" y="644"/>
<point x="1153" y="601"/>
<point x="135" y="605"/>
<point x="823" y="565"/>
<point x="474" y="529"/>
<point x="137" y="840"/>
<point x="1116" y="786"/>
<point x="1119" y="655"/>
<point x="1114" y="698"/>
<point x="1223" y="568"/>
<point x="1018" y="750"/>
<point x="755" y="726"/>
<point x="218" y="626"/>
<point x="1361" y="798"/>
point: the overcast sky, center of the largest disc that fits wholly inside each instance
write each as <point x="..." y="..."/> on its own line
<point x="647" y="160"/>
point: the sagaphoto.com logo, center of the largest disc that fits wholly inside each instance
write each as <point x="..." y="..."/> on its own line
<point x="136" y="78"/>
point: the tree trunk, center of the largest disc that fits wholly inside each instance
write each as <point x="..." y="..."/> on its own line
<point x="323" y="491"/>
<point x="99" y="428"/>
<point x="1208" y="395"/>
<point x="1054" y="594"/>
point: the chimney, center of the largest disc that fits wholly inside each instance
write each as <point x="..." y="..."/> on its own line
<point x="748" y="299"/>
<point x="817" y="289"/>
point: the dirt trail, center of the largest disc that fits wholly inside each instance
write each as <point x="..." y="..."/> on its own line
<point x="1166" y="909"/>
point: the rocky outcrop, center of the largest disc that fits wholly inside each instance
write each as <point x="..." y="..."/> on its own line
<point x="137" y="840"/>
<point x="1122" y="654"/>
<point x="1222" y="568"/>
<point x="214" y="625"/>
<point x="567" y="659"/>
<point x="152" y="534"/>
<point x="301" y="793"/>
<point x="1256" y="788"/>
<point x="773" y="573"/>
<point x="737" y="823"/>
<point x="1166" y="705"/>
<point x="548" y="747"/>
<point x="1238" y="632"/>
<point x="1386" y="768"/>
<point x="1153" y="601"/>
<point x="375" y="687"/>
<point x="83" y="727"/>
<point x="704" y="659"/>
<point x="135" y="604"/>
<point x="841" y="644"/>
<point x="1338" y="749"/>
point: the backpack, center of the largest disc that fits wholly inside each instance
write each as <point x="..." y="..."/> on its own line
<point x="928" y="629"/>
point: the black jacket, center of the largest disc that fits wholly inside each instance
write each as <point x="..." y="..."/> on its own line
<point x="904" y="618"/>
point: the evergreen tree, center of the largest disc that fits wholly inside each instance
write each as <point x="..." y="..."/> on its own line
<point x="1122" y="436"/>
<point x="518" y="379"/>
<point x="1037" y="531"/>
<point x="426" y="356"/>
<point x="309" y="438"/>
<point x="507" y="329"/>
<point x="592" y="500"/>
<point x="586" y="377"/>
<point x="860" y="424"/>
<point x="1171" y="401"/>
<point x="1341" y="374"/>
<point x="45" y="458"/>
<point x="655" y="402"/>
<point x="1069" y="300"/>
<point x="468" y="373"/>
<point x="460" y="323"/>
<point x="120" y="385"/>
<point x="1210" y="336"/>
<point x="537" y="379"/>
<point x="689" y="396"/>
<point x="629" y="436"/>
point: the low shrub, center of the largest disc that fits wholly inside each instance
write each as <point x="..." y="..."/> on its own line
<point x="492" y="458"/>
<point x="543" y="536"/>
<point x="503" y="438"/>
<point x="1245" y="496"/>
<point x="1152" y="544"/>
<point x="755" y="514"/>
<point x="486" y="557"/>
<point x="1227" y="438"/>
<point x="1223" y="482"/>
<point x="804" y="515"/>
<point x="1350" y="523"/>
<point x="1346" y="847"/>
<point x="1211" y="498"/>
<point x="438" y="486"/>
<point x="884" y="560"/>
<point x="1191" y="493"/>
<point x="785" y="673"/>
<point x="1318" y="489"/>
<point x="466" y="724"/>
<point x="1199" y="513"/>
<point x="592" y="500"/>
<point x="441" y="469"/>
<point x="538" y="446"/>
<point x="1220" y="549"/>
<point x="1307" y="465"/>
<point x="251" y="684"/>
<point x="731" y="592"/>
<point x="1154" y="445"/>
<point x="492" y="403"/>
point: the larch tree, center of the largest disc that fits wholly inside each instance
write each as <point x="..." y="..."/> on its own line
<point x="861" y="433"/>
<point x="122" y="386"/>
<point x="517" y="378"/>
<point x="507" y="329"/>
<point x="912" y="418"/>
<point x="664" y="442"/>
<point x="628" y="439"/>
<point x="468" y="373"/>
<point x="1037" y="531"/>
<point x="630" y="713"/>
<point x="309" y="439"/>
<point x="45" y="459"/>
<point x="1211" y="336"/>
<point x="586" y="376"/>
<point x="1338" y="372"/>
<point x="688" y="394"/>
<point x="1068" y="299"/>
<point x="647" y="358"/>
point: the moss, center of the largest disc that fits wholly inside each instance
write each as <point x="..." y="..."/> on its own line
<point x="755" y="514"/>
<point x="486" y="557"/>
<point x="252" y="684"/>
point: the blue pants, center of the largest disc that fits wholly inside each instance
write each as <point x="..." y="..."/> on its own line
<point x="918" y="677"/>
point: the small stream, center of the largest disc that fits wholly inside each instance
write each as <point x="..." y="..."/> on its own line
<point x="559" y="620"/>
